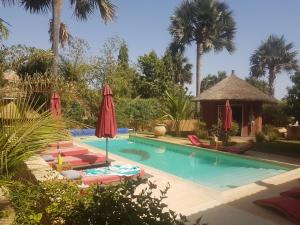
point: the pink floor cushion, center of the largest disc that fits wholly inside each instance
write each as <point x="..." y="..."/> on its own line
<point x="68" y="151"/>
<point x="61" y="144"/>
<point x="293" y="193"/>
<point x="290" y="207"/>
<point x="86" y="159"/>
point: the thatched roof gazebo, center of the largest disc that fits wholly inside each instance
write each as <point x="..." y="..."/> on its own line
<point x="245" y="99"/>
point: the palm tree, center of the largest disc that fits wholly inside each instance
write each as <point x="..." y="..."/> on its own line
<point x="208" y="23"/>
<point x="273" y="55"/>
<point x="82" y="8"/>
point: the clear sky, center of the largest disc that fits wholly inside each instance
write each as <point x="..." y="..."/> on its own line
<point x="143" y="24"/>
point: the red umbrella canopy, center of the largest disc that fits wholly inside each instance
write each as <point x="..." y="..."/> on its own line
<point x="106" y="124"/>
<point x="55" y="105"/>
<point x="228" y="116"/>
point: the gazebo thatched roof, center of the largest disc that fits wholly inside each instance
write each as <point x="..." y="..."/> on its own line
<point x="234" y="88"/>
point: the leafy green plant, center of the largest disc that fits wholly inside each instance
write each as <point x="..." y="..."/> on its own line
<point x="202" y="131"/>
<point x="267" y="128"/>
<point x="138" y="113"/>
<point x="234" y="129"/>
<point x="276" y="114"/>
<point x="25" y="131"/>
<point x="178" y="108"/>
<point x="62" y="202"/>
<point x="272" y="136"/>
<point x="260" y="137"/>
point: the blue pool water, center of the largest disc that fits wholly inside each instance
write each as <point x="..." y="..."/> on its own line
<point x="212" y="169"/>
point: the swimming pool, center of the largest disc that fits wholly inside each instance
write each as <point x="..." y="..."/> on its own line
<point x="212" y="169"/>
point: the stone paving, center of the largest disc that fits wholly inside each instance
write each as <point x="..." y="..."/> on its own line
<point x="232" y="207"/>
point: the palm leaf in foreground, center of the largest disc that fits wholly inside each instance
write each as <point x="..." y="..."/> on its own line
<point x="25" y="132"/>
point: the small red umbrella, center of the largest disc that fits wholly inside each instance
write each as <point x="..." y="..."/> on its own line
<point x="55" y="105"/>
<point x="106" y="124"/>
<point x="228" y="116"/>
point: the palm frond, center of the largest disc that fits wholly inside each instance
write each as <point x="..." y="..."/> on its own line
<point x="4" y="32"/>
<point x="64" y="34"/>
<point x="37" y="6"/>
<point x="273" y="53"/>
<point x="206" y="22"/>
<point x="84" y="8"/>
<point x="25" y="131"/>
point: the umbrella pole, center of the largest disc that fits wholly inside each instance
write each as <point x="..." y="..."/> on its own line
<point x="106" y="151"/>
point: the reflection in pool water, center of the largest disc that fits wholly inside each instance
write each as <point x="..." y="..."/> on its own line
<point x="144" y="155"/>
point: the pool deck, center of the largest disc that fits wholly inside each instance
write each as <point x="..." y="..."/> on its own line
<point x="230" y="207"/>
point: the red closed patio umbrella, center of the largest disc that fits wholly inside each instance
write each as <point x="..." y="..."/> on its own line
<point x="106" y="124"/>
<point x="228" y="116"/>
<point x="55" y="105"/>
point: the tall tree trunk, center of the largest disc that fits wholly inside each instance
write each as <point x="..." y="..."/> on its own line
<point x="272" y="77"/>
<point x="198" y="75"/>
<point x="56" y="13"/>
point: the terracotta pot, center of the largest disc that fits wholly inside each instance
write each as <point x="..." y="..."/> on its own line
<point x="159" y="130"/>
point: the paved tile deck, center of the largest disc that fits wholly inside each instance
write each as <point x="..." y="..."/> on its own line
<point x="232" y="207"/>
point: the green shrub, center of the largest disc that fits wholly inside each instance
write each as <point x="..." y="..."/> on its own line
<point x="202" y="131"/>
<point x="234" y="131"/>
<point x="218" y="131"/>
<point x="260" y="137"/>
<point x="203" y="134"/>
<point x="272" y="136"/>
<point x="267" y="128"/>
<point x="276" y="114"/>
<point x="63" y="203"/>
<point x="138" y="113"/>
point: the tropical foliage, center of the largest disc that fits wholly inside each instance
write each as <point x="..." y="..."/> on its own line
<point x="62" y="202"/>
<point x="25" y="131"/>
<point x="58" y="32"/>
<point x="260" y="84"/>
<point x="178" y="107"/>
<point x="207" y="23"/>
<point x="138" y="113"/>
<point x="273" y="56"/>
<point x="210" y="80"/>
<point x="293" y="98"/>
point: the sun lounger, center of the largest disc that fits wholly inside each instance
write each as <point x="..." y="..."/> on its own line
<point x="292" y="193"/>
<point x="290" y="207"/>
<point x="61" y="144"/>
<point x="196" y="142"/>
<point x="80" y="161"/>
<point x="68" y="151"/>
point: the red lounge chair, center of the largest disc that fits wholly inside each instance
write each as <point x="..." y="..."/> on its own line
<point x="107" y="179"/>
<point x="196" y="142"/>
<point x="288" y="206"/>
<point x="85" y="160"/>
<point x="61" y="144"/>
<point x="292" y="193"/>
<point x="69" y="151"/>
